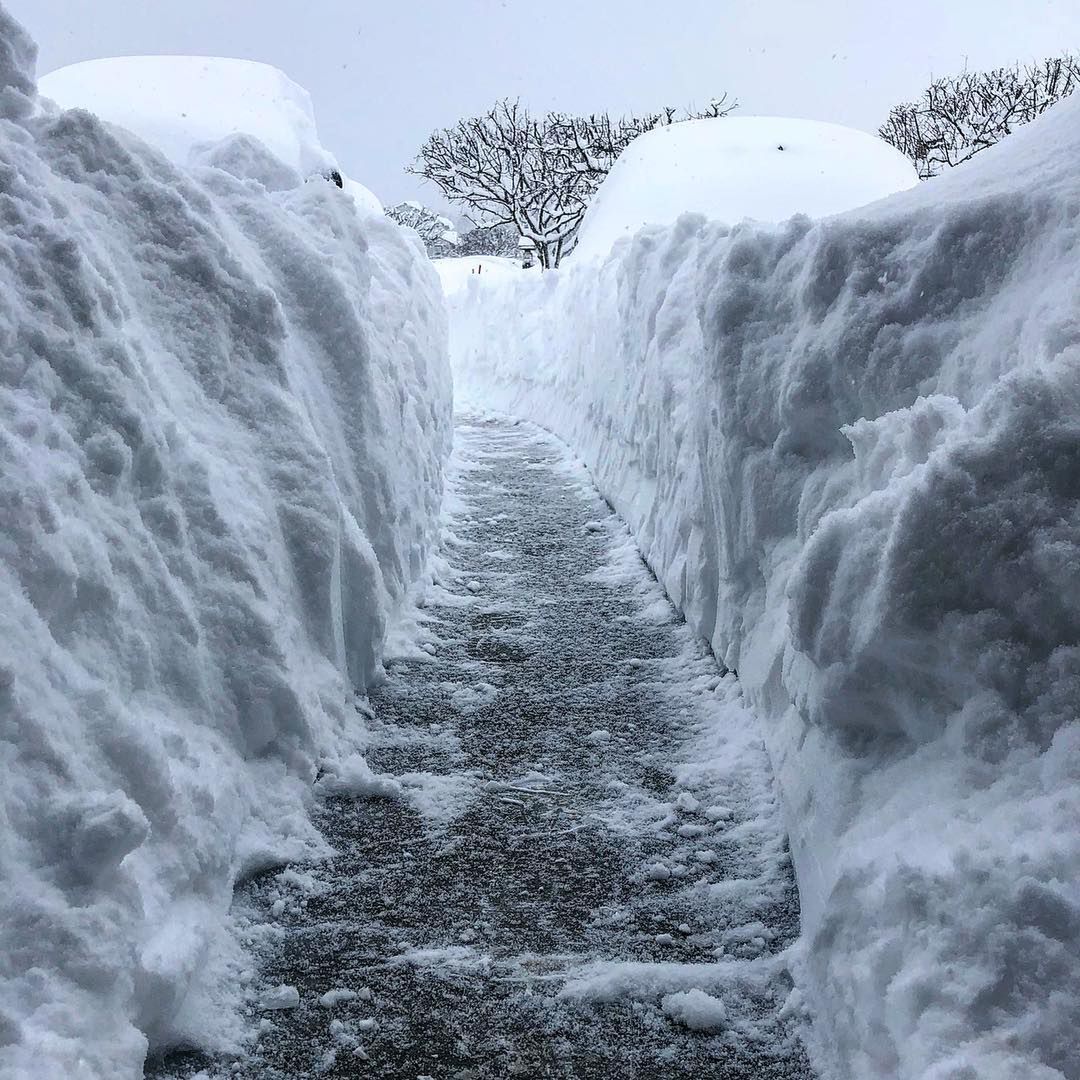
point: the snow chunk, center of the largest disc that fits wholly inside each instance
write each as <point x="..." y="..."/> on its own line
<point x="696" y="1010"/>
<point x="354" y="776"/>
<point x="760" y="167"/>
<point x="335" y="997"/>
<point x="103" y="830"/>
<point x="691" y="832"/>
<point x="280" y="997"/>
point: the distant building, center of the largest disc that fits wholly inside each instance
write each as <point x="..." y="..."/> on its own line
<point x="527" y="249"/>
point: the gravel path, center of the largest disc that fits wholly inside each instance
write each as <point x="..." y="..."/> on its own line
<point x="579" y="869"/>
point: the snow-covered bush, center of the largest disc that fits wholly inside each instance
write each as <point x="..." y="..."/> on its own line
<point x="850" y="450"/>
<point x="223" y="417"/>
<point x="500" y="240"/>
<point x="958" y="116"/>
<point x="437" y="232"/>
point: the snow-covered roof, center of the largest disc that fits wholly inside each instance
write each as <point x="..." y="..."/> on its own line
<point x="759" y="167"/>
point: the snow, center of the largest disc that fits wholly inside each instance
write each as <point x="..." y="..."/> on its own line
<point x="457" y="273"/>
<point x="188" y="106"/>
<point x="179" y="102"/>
<point x="280" y="997"/>
<point x="336" y="997"/>
<point x="223" y="419"/>
<point x="696" y="1010"/>
<point x="764" y="168"/>
<point x="353" y="776"/>
<point x="850" y="450"/>
<point x="366" y="200"/>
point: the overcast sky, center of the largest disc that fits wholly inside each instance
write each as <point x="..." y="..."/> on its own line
<point x="383" y="75"/>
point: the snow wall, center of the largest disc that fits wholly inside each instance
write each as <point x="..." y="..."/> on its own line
<point x="850" y="450"/>
<point x="223" y="419"/>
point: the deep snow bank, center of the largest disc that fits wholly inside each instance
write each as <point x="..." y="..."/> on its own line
<point x="765" y="168"/>
<point x="223" y="417"/>
<point x="851" y="452"/>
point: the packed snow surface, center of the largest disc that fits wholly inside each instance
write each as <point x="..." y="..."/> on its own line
<point x="455" y="272"/>
<point x="851" y="452"/>
<point x="223" y="417"/>
<point x="765" y="168"/>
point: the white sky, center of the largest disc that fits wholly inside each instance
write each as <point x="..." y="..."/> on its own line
<point x="383" y="75"/>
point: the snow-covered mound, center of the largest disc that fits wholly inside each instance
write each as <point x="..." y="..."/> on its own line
<point x="184" y="105"/>
<point x="223" y="417"/>
<point x="763" y="168"/>
<point x="851" y="452"/>
<point x="178" y="102"/>
<point x="366" y="200"/>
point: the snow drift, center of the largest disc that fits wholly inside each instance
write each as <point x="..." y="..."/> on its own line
<point x="766" y="168"/>
<point x="850" y="450"/>
<point x="223" y="418"/>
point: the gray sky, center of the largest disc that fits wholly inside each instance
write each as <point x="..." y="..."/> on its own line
<point x="383" y="75"/>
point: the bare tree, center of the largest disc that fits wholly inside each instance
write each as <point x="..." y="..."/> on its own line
<point x="960" y="115"/>
<point x="536" y="174"/>
<point x="437" y="232"/>
<point x="506" y="167"/>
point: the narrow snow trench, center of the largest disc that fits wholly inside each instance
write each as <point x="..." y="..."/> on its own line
<point x="580" y="870"/>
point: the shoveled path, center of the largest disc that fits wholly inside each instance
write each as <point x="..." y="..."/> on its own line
<point x="582" y="826"/>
